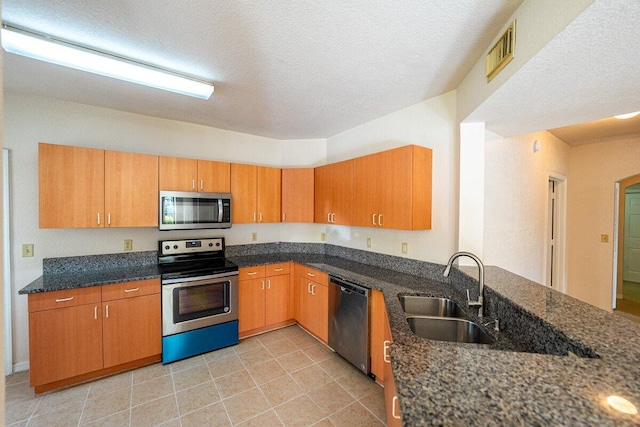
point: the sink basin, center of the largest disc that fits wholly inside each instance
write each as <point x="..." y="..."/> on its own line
<point x="430" y="306"/>
<point x="448" y="329"/>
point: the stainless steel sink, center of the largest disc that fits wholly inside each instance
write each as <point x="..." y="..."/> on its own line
<point x="430" y="306"/>
<point x="448" y="329"/>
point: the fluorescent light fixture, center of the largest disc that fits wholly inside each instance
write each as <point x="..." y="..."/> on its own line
<point x="627" y="116"/>
<point x="43" y="48"/>
<point x="621" y="404"/>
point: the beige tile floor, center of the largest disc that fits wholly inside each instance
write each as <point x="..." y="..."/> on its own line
<point x="281" y="378"/>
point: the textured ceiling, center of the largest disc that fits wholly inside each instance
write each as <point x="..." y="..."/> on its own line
<point x="587" y="72"/>
<point x="598" y="131"/>
<point x="285" y="69"/>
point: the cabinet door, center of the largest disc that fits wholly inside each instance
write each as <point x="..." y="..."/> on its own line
<point x="269" y="194"/>
<point x="278" y="302"/>
<point x="297" y="195"/>
<point x="71" y="186"/>
<point x="334" y="193"/>
<point x="131" y="189"/>
<point x="320" y="311"/>
<point x="251" y="304"/>
<point x="64" y="342"/>
<point x="304" y="312"/>
<point x="177" y="174"/>
<point x="132" y="329"/>
<point x="214" y="177"/>
<point x="378" y="333"/>
<point x="244" y="193"/>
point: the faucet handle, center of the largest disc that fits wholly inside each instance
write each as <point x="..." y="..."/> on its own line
<point x="472" y="303"/>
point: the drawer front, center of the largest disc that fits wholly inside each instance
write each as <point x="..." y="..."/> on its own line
<point x="248" y="273"/>
<point x="278" y="269"/>
<point x="312" y="274"/>
<point x="130" y="289"/>
<point x="67" y="298"/>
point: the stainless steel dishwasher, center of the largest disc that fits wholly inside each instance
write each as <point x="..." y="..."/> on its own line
<point x="349" y="322"/>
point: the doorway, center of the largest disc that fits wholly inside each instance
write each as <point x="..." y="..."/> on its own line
<point x="628" y="268"/>
<point x="556" y="219"/>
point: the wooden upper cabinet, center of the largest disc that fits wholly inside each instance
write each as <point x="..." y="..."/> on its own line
<point x="131" y="190"/>
<point x="334" y="193"/>
<point x="214" y="177"/>
<point x="392" y="189"/>
<point x="256" y="193"/>
<point x="71" y="186"/>
<point x="178" y="174"/>
<point x="297" y="195"/>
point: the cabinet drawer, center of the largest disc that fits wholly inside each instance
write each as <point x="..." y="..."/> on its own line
<point x="130" y="289"/>
<point x="248" y="273"/>
<point x="67" y="298"/>
<point x="277" y="269"/>
<point x="312" y="274"/>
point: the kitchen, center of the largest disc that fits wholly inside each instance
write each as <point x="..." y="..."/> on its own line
<point x="432" y="123"/>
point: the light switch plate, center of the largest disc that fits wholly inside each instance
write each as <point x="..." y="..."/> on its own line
<point x="368" y="242"/>
<point x="604" y="238"/>
<point x="27" y="250"/>
<point x="254" y="237"/>
<point x="323" y="237"/>
<point x="128" y="244"/>
<point x="405" y="248"/>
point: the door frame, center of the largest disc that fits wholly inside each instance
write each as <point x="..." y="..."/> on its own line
<point x="560" y="266"/>
<point x="618" y="264"/>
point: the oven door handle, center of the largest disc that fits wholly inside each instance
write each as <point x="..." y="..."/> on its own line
<point x="191" y="281"/>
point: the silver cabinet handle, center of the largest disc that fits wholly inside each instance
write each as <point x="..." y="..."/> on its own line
<point x="393" y="408"/>
<point x="109" y="219"/>
<point x="193" y="184"/>
<point x="373" y="219"/>
<point x="278" y="269"/>
<point x="254" y="217"/>
<point x="95" y="313"/>
<point x="380" y="219"/>
<point x="329" y="217"/>
<point x="309" y="287"/>
<point x="63" y="299"/>
<point x="268" y="283"/>
<point x="252" y="273"/>
<point x="313" y="289"/>
<point x="201" y="184"/>
<point x="311" y="274"/>
<point x="107" y="311"/>
<point x="98" y="218"/>
<point x="385" y="351"/>
<point x="260" y="217"/>
<point x="262" y="284"/>
<point x="284" y="217"/>
<point x="333" y="218"/>
<point x="131" y="290"/>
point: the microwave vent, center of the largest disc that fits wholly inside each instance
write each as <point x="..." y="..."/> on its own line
<point x="501" y="53"/>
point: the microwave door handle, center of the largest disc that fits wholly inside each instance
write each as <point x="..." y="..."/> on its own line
<point x="219" y="210"/>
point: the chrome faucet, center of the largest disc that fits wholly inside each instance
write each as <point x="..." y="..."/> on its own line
<point x="480" y="302"/>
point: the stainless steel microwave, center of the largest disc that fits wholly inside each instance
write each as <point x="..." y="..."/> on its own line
<point x="182" y="210"/>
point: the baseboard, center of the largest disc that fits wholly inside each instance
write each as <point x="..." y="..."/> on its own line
<point x="20" y="367"/>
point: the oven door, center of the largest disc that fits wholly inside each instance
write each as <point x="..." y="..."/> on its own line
<point x="195" y="303"/>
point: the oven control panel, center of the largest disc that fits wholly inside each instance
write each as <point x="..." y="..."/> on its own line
<point x="189" y="246"/>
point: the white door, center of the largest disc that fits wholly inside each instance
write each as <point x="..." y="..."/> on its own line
<point x="8" y="340"/>
<point x="631" y="245"/>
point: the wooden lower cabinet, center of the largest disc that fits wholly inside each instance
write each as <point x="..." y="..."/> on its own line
<point x="394" y="418"/>
<point x="79" y="334"/>
<point x="265" y="298"/>
<point x="378" y="333"/>
<point x="313" y="307"/>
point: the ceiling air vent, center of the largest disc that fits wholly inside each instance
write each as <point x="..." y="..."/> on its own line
<point x="501" y="53"/>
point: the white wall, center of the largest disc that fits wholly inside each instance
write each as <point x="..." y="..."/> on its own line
<point x="516" y="191"/>
<point x="432" y="124"/>
<point x="594" y="170"/>
<point x="29" y="120"/>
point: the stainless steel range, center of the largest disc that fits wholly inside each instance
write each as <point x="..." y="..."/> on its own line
<point x="199" y="297"/>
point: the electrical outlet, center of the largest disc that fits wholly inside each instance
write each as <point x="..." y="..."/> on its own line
<point x="128" y="244"/>
<point x="323" y="237"/>
<point x="604" y="238"/>
<point x="254" y="237"/>
<point x="405" y="248"/>
<point x="27" y="250"/>
<point x="368" y="242"/>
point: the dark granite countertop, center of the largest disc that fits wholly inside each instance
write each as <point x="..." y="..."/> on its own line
<point x="440" y="383"/>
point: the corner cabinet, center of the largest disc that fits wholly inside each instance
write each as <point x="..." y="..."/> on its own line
<point x="85" y="333"/>
<point x="179" y="174"/>
<point x="256" y="193"/>
<point x="89" y="188"/>
<point x="297" y="195"/>
<point x="334" y="193"/>
<point x="392" y="189"/>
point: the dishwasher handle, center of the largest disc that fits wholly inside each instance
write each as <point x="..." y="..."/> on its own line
<point x="349" y="287"/>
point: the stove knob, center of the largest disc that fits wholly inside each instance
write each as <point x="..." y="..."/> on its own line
<point x="175" y="246"/>
<point x="210" y="244"/>
<point x="167" y="247"/>
<point x="218" y="244"/>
